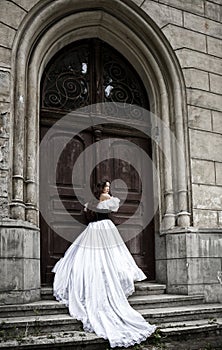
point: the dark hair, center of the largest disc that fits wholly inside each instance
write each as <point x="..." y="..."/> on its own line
<point x="91" y="212"/>
<point x="99" y="188"/>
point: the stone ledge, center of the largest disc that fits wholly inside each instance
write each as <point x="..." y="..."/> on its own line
<point x="191" y="229"/>
<point x="18" y="224"/>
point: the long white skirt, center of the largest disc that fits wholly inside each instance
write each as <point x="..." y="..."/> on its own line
<point x="94" y="279"/>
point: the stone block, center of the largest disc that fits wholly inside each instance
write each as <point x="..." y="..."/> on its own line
<point x="11" y="14"/>
<point x="20" y="296"/>
<point x="213" y="293"/>
<point x="177" y="288"/>
<point x="5" y="57"/>
<point x="26" y="4"/>
<point x="201" y="149"/>
<point x="219" y="215"/>
<point x="160" y="246"/>
<point x="194" y="289"/>
<point x="162" y="14"/>
<point x="199" y="268"/>
<point x="177" y="272"/>
<point x="199" y="118"/>
<point x="11" y="272"/>
<point x="202" y="25"/>
<point x="203" y="172"/>
<point x="4" y="154"/>
<point x="19" y="242"/>
<point x="189" y="5"/>
<point x="203" y="270"/>
<point x="20" y="261"/>
<point x="218" y="167"/>
<point x="217" y="121"/>
<point x="204" y="245"/>
<point x="181" y="37"/>
<point x="4" y="210"/>
<point x="11" y="243"/>
<point x="207" y="197"/>
<point x="213" y="11"/>
<point x="4" y="183"/>
<point x="7" y="35"/>
<point x="19" y="274"/>
<point x="31" y="270"/>
<point x="4" y="119"/>
<point x="214" y="46"/>
<point x="204" y="99"/>
<point x="32" y="244"/>
<point x="196" y="79"/>
<point x="193" y="59"/>
<point x="161" y="271"/>
<point x="4" y="86"/>
<point x="176" y="246"/>
<point x="216" y="83"/>
<point x="205" y="218"/>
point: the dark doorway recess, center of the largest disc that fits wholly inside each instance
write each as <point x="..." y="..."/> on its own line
<point x="84" y="73"/>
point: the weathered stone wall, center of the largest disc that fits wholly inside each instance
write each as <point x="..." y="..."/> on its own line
<point x="190" y="262"/>
<point x="194" y="30"/>
<point x="19" y="241"/>
<point x="11" y="16"/>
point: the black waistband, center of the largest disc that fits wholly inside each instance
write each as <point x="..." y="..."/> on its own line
<point x="101" y="216"/>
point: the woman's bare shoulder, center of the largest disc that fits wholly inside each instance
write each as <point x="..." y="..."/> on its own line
<point x="104" y="196"/>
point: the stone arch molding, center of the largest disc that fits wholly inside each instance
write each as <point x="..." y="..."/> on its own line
<point x="51" y="25"/>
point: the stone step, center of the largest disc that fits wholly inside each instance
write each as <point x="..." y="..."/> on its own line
<point x="50" y="307"/>
<point x="183" y="313"/>
<point x="63" y="322"/>
<point x="176" y="335"/>
<point x="42" y="324"/>
<point x="193" y="334"/>
<point x="141" y="288"/>
<point x="180" y="327"/>
<point x="163" y="301"/>
<point x="149" y="288"/>
<point x="35" y="309"/>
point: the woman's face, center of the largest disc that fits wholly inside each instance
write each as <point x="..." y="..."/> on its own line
<point x="106" y="187"/>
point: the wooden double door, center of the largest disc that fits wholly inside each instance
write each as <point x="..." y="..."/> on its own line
<point x="87" y="72"/>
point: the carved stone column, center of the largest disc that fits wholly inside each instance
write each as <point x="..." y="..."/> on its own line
<point x="17" y="205"/>
<point x="31" y="155"/>
<point x="183" y="216"/>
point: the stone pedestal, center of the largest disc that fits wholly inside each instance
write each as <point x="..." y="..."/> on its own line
<point x="190" y="261"/>
<point x="19" y="263"/>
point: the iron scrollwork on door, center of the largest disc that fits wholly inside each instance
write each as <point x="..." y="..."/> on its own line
<point x="66" y="82"/>
<point x="71" y="76"/>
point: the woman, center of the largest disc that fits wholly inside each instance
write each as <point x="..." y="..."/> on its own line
<point x="96" y="276"/>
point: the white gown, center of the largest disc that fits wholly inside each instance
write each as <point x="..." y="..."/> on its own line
<point x="94" y="279"/>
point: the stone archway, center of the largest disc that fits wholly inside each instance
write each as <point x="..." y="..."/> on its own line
<point x="52" y="25"/>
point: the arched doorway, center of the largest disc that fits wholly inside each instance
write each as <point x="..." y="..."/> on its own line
<point x="45" y="30"/>
<point x="83" y="73"/>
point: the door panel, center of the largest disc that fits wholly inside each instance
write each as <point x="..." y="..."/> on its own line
<point x="84" y="73"/>
<point x="53" y="245"/>
<point x="142" y="245"/>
